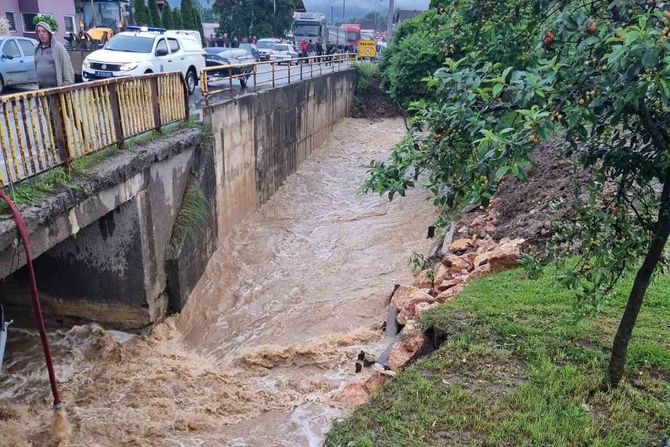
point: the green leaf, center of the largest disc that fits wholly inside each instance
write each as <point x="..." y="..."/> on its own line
<point x="501" y="172"/>
<point x="497" y="89"/>
<point x="650" y="58"/>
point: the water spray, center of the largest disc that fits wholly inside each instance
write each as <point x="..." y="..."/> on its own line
<point x="61" y="426"/>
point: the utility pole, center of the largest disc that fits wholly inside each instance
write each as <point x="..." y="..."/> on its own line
<point x="389" y="22"/>
<point x="344" y="2"/>
<point x="332" y="15"/>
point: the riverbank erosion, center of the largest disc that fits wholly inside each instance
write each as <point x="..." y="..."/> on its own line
<point x="265" y="346"/>
<point x="488" y="356"/>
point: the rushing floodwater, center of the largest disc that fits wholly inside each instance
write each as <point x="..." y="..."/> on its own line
<point x="261" y="352"/>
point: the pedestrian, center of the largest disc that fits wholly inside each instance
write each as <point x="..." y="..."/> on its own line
<point x="319" y="49"/>
<point x="211" y="41"/>
<point x="53" y="66"/>
<point x="303" y="48"/>
<point x="255" y="40"/>
<point x="236" y="42"/>
<point x="225" y="42"/>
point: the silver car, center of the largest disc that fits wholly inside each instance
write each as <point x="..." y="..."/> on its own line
<point x="17" y="61"/>
<point x="283" y="52"/>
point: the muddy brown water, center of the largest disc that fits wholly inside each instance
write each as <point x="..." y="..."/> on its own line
<point x="269" y="337"/>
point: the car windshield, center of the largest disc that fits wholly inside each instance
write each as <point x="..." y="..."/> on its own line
<point x="131" y="44"/>
<point x="265" y="44"/>
<point x="301" y="29"/>
<point x="281" y="48"/>
<point x="352" y="35"/>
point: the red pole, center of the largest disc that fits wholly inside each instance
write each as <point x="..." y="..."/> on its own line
<point x="23" y="232"/>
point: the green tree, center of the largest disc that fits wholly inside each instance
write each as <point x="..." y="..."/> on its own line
<point x="199" y="25"/>
<point x="254" y="17"/>
<point x="141" y="16"/>
<point x="49" y="20"/>
<point x="176" y="19"/>
<point x="188" y="15"/>
<point x="168" y="22"/>
<point x="592" y="75"/>
<point x="155" y="14"/>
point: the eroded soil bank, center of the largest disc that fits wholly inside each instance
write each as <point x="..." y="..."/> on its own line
<point x="267" y="343"/>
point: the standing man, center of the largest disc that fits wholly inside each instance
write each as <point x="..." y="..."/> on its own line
<point x="53" y="66"/>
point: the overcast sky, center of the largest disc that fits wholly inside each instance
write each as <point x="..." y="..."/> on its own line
<point x="359" y="8"/>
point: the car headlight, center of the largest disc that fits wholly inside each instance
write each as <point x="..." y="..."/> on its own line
<point x="86" y="64"/>
<point x="129" y="66"/>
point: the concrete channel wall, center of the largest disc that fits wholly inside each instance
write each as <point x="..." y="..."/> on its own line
<point x="260" y="139"/>
<point x="107" y="252"/>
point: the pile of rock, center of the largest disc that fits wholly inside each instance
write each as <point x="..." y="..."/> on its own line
<point x="470" y="254"/>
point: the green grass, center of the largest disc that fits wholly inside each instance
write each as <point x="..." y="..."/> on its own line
<point x="519" y="370"/>
<point x="192" y="217"/>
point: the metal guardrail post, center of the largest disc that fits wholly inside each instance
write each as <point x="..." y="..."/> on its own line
<point x="153" y="83"/>
<point x="116" y="115"/>
<point x="301" y="64"/>
<point x="59" y="130"/>
<point x="290" y="65"/>
<point x="273" y="74"/>
<point x="255" y="68"/>
<point x="320" y="65"/>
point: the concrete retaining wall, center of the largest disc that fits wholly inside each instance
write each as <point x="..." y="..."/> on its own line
<point x="260" y="139"/>
<point x="104" y="253"/>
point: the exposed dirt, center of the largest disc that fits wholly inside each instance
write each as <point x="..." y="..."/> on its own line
<point x="522" y="209"/>
<point x="523" y="206"/>
<point x="373" y="106"/>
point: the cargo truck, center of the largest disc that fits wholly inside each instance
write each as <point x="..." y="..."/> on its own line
<point x="314" y="26"/>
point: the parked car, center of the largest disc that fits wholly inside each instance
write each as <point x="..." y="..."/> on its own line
<point x="233" y="61"/>
<point x="17" y="61"/>
<point x="283" y="52"/>
<point x="264" y="47"/>
<point x="147" y="50"/>
<point x="253" y="49"/>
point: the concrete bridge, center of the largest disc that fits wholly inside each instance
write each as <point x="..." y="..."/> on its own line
<point x="128" y="245"/>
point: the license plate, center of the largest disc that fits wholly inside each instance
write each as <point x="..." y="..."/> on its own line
<point x="104" y="74"/>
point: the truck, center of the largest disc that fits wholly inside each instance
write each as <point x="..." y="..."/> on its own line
<point x="314" y="26"/>
<point x="353" y="31"/>
<point x="368" y="34"/>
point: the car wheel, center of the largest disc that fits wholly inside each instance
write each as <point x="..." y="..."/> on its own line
<point x="190" y="81"/>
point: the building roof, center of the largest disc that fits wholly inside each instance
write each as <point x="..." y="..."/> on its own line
<point x="405" y="14"/>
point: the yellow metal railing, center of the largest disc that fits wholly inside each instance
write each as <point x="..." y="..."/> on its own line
<point x="46" y="128"/>
<point x="271" y="73"/>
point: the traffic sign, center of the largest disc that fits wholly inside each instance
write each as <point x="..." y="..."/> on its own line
<point x="367" y="48"/>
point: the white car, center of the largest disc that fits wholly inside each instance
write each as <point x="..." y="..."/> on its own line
<point x="264" y="46"/>
<point x="147" y="50"/>
<point x="283" y="52"/>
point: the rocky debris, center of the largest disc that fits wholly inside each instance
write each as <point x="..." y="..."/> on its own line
<point x="354" y="394"/>
<point x="473" y="253"/>
<point x="460" y="246"/>
<point x="374" y="382"/>
<point x="411" y="341"/>
<point x="406" y="298"/>
<point x="502" y="257"/>
<point x="424" y="279"/>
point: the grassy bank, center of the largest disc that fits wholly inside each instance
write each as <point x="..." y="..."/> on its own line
<point x="517" y="369"/>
